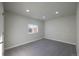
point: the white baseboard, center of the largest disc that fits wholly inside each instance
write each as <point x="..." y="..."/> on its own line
<point x="20" y="44"/>
<point x="62" y="41"/>
<point x="36" y="40"/>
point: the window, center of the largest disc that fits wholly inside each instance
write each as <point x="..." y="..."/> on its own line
<point x="32" y="28"/>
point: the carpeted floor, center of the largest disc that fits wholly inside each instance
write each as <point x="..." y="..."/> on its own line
<point x="43" y="47"/>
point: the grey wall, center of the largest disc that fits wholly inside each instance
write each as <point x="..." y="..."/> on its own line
<point x="61" y="29"/>
<point x="1" y="20"/>
<point x="1" y="28"/>
<point x="77" y="29"/>
<point x="16" y="30"/>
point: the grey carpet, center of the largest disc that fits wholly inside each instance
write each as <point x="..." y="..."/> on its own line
<point x="43" y="47"/>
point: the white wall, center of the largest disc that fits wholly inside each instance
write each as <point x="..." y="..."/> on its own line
<point x="1" y="20"/>
<point x="61" y="29"/>
<point x="1" y="28"/>
<point x="77" y="29"/>
<point x="16" y="30"/>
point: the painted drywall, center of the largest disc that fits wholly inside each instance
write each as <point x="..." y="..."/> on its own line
<point x="61" y="29"/>
<point x="1" y="28"/>
<point x="16" y="30"/>
<point x="77" y="23"/>
<point x="1" y="21"/>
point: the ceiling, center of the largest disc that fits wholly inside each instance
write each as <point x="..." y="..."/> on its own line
<point x="38" y="10"/>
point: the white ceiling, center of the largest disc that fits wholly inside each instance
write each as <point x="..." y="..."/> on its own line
<point x="40" y="9"/>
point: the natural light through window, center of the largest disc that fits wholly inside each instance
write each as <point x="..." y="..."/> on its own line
<point x="32" y="28"/>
